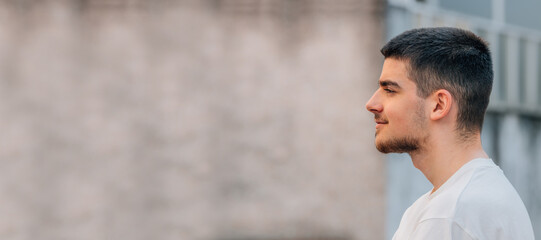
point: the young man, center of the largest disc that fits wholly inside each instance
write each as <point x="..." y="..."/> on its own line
<point x="433" y="93"/>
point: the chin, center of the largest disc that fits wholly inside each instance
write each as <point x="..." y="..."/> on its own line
<point x="381" y="146"/>
<point x="398" y="145"/>
<point x="379" y="140"/>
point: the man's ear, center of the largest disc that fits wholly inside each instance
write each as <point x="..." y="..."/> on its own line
<point x="441" y="103"/>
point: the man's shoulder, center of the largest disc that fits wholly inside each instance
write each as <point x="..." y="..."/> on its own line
<point x="490" y="206"/>
<point x="483" y="203"/>
<point x="481" y="190"/>
<point x="488" y="189"/>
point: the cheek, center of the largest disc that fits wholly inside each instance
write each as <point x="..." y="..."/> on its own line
<point x="398" y="115"/>
<point x="405" y="117"/>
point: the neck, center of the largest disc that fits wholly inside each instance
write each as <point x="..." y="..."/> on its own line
<point x="439" y="160"/>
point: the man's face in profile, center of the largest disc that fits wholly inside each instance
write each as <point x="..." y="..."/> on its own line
<point x="401" y="122"/>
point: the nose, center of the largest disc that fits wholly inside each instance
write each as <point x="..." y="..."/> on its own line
<point x="373" y="105"/>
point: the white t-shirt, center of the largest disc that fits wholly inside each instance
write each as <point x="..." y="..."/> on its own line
<point x="477" y="202"/>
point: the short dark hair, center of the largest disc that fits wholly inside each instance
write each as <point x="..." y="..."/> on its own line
<point x="448" y="58"/>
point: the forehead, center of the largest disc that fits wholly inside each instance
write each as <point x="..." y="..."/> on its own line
<point x="397" y="71"/>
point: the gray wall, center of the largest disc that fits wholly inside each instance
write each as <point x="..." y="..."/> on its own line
<point x="189" y="120"/>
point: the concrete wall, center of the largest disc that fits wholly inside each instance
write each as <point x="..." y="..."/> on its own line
<point x="189" y="119"/>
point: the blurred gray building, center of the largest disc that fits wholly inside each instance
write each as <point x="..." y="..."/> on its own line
<point x="230" y="119"/>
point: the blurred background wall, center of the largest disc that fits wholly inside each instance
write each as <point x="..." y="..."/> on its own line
<point x="212" y="119"/>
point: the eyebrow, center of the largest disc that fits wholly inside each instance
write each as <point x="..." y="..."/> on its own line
<point x="385" y="83"/>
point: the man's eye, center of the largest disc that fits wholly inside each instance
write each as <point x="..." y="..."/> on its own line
<point x="388" y="90"/>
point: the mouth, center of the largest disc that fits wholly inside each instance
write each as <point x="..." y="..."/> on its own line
<point x="380" y="123"/>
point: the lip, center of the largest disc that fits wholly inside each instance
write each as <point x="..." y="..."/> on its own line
<point x="379" y="124"/>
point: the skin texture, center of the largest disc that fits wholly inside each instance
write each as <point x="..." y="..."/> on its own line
<point x="424" y="128"/>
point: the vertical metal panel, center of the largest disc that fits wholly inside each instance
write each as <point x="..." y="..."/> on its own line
<point x="498" y="11"/>
<point x="532" y="82"/>
<point x="513" y="153"/>
<point x="538" y="77"/>
<point x="512" y="73"/>
<point x="494" y="40"/>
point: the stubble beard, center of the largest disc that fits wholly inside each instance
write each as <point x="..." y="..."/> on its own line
<point x="410" y="143"/>
<point x="407" y="144"/>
